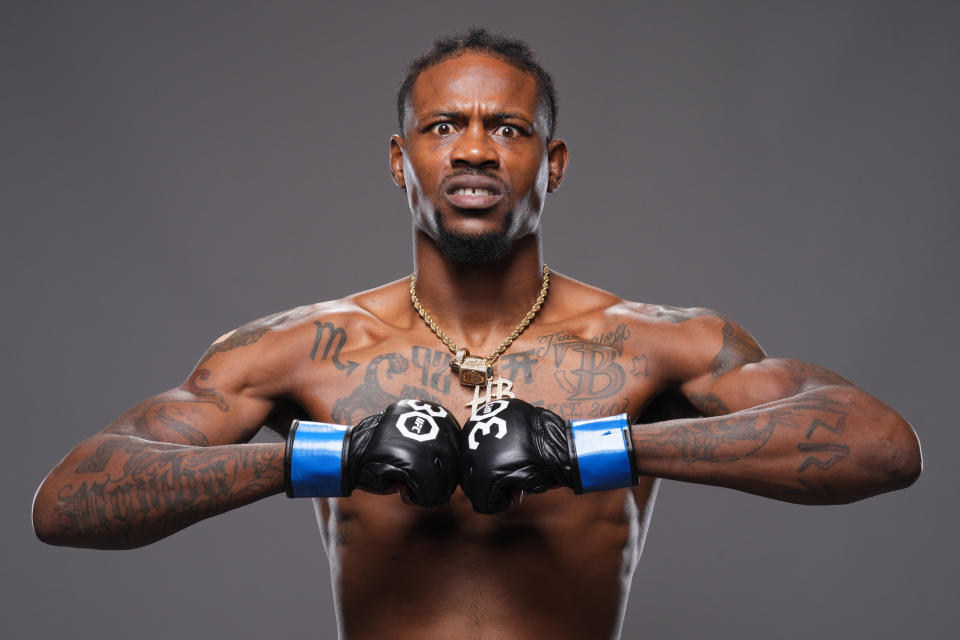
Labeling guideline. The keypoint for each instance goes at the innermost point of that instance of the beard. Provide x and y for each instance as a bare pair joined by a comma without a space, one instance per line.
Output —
462,248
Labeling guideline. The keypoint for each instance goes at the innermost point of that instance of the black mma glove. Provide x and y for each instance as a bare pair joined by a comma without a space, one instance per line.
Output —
510,444
412,443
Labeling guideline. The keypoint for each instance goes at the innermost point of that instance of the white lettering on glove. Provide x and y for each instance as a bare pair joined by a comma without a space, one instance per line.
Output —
489,420
413,423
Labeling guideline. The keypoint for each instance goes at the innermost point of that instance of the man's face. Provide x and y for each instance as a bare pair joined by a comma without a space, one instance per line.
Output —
473,158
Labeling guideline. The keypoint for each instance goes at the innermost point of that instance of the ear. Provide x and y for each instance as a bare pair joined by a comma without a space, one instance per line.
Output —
557,157
396,161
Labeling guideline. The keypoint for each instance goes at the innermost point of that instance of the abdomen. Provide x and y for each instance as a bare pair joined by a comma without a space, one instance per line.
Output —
557,565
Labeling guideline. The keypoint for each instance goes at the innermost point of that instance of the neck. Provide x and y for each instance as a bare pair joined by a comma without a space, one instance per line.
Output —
478,305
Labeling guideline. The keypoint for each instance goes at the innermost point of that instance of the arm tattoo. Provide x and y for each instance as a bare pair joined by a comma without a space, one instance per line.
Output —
239,338
838,451
205,394
822,455
251,332
162,420
727,439
816,421
169,417
98,461
738,349
132,492
709,404
804,375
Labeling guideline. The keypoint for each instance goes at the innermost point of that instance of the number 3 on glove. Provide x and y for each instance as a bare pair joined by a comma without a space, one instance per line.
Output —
513,445
484,420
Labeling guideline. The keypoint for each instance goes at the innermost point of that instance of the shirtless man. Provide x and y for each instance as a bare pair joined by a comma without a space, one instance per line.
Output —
476,157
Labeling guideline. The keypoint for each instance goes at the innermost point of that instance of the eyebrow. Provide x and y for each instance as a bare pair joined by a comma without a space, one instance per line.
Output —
455,115
510,116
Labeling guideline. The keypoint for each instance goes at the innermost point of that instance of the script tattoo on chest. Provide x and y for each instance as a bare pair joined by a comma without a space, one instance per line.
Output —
434,367
371,397
518,367
587,369
640,366
586,372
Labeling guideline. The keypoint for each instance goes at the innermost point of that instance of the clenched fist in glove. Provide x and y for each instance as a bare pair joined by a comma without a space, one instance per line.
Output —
412,444
511,445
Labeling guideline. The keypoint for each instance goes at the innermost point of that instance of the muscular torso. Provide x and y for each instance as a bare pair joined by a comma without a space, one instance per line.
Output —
556,565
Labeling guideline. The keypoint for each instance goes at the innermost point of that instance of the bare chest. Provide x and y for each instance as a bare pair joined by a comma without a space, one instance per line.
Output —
553,538
574,374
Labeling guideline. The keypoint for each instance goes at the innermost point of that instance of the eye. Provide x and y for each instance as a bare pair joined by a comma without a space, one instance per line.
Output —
443,128
506,131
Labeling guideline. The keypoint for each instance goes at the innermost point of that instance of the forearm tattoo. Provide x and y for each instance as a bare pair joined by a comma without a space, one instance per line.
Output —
811,436
132,491
155,472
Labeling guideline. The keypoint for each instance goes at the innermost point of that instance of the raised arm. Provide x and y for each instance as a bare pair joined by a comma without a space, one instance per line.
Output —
174,459
777,428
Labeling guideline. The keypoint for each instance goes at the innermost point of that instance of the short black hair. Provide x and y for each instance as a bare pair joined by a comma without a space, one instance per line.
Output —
511,50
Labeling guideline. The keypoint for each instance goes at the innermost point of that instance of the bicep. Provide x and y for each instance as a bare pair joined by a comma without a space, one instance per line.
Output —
756,383
733,373
239,385
210,408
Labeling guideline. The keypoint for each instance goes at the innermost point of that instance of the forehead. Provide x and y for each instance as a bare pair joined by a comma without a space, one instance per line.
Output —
474,78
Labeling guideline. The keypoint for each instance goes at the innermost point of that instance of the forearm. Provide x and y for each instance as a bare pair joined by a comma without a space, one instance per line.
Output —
829,445
120,492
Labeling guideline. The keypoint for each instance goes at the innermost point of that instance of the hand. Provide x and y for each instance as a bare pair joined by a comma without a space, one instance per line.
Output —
510,445
412,445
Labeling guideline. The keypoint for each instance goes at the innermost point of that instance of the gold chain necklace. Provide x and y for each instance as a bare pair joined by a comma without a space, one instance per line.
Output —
475,371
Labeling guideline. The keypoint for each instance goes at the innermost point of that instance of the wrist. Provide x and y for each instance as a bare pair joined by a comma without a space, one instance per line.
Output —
601,450
313,464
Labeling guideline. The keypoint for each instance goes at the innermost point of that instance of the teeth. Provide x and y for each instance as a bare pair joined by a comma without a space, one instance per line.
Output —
473,191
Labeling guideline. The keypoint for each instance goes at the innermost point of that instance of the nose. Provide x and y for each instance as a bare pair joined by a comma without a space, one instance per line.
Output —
474,148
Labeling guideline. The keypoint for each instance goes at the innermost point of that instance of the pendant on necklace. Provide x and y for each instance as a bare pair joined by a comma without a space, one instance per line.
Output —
497,389
473,371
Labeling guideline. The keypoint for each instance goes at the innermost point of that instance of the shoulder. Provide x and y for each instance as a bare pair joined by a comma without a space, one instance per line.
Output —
579,298
582,298
572,300
279,337
271,331
699,341
686,341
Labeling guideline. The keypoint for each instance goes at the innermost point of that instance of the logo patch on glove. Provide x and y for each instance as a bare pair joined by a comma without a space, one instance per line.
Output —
419,424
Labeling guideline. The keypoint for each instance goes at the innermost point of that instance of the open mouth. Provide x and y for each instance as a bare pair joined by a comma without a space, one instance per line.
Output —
473,192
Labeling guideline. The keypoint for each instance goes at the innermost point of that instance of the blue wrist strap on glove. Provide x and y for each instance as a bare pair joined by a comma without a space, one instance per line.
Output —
604,453
314,460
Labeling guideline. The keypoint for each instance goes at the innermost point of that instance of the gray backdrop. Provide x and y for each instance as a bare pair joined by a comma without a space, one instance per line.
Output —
171,170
